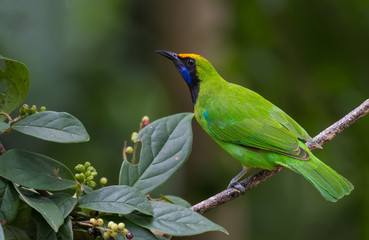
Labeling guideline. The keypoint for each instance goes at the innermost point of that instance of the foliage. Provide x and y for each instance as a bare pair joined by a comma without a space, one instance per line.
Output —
41,198
95,59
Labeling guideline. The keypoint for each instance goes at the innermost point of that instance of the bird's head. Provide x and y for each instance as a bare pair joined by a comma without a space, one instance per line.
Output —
193,68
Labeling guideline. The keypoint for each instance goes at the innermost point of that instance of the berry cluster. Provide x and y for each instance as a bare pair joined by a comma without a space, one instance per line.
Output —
120,227
85,174
144,123
25,110
96,223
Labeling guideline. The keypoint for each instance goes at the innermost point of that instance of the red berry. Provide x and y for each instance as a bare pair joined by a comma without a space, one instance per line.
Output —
145,123
129,235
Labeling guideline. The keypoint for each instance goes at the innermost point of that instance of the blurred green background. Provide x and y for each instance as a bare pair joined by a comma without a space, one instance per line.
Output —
95,59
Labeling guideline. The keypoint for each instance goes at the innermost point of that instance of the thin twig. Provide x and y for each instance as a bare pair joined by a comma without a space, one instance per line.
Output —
124,151
88,224
329,133
7,116
135,145
254,180
16,119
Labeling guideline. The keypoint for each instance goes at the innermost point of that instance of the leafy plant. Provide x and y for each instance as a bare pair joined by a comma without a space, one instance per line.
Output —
41,198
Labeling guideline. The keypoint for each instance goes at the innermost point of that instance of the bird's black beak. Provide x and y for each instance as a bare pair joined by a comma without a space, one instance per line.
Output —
170,55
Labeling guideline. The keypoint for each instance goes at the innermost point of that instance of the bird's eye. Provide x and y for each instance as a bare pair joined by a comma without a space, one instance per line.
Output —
190,62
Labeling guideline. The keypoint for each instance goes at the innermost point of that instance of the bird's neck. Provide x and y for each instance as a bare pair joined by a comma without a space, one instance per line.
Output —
194,90
209,87
205,78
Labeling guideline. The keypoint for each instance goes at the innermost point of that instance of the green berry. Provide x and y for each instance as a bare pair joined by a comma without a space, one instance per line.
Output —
100,222
91,184
42,109
91,169
121,226
134,136
114,227
110,224
113,234
79,168
80,177
125,231
94,174
103,181
87,164
107,235
88,173
93,221
24,110
129,150
90,178
33,109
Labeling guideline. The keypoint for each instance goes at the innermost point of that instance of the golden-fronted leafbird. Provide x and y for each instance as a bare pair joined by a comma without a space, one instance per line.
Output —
251,129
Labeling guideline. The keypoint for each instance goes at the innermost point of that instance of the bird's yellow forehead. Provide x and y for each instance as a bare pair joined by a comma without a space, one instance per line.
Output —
185,55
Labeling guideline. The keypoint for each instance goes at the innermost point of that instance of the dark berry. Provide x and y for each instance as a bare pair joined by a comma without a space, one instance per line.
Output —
91,231
129,235
97,233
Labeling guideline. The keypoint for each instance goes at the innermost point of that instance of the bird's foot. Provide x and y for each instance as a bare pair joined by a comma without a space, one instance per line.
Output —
234,182
237,185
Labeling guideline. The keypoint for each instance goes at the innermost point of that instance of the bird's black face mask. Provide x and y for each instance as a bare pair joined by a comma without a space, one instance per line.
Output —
187,68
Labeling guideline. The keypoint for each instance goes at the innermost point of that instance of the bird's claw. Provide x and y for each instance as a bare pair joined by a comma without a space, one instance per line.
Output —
237,185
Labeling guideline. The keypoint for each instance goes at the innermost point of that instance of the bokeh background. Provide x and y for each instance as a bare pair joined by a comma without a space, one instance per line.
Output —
95,59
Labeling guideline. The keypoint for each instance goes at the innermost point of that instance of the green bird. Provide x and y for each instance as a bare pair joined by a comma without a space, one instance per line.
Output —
251,129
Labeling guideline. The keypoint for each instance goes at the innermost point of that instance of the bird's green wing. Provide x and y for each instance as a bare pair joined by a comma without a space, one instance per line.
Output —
258,132
291,125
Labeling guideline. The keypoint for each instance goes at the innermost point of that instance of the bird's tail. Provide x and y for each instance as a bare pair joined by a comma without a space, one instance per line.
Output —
329,183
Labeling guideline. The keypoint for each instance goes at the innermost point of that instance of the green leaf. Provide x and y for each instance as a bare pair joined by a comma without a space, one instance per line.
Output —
4,126
138,232
47,208
15,233
175,220
65,202
24,219
116,199
44,231
86,188
65,231
35,171
2,236
9,201
53,126
176,200
166,146
16,76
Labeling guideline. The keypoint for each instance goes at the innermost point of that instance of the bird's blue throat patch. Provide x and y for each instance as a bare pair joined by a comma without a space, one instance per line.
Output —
185,74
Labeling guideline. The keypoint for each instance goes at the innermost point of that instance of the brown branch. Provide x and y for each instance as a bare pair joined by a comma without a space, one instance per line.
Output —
254,180
329,133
